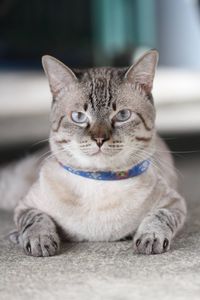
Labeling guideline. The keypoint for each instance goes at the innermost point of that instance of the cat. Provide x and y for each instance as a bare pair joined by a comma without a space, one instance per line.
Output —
109,174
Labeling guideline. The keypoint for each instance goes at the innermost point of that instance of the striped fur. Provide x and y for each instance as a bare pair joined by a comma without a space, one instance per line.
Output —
37,233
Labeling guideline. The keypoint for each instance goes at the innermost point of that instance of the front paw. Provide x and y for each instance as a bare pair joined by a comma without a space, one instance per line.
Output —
151,242
40,243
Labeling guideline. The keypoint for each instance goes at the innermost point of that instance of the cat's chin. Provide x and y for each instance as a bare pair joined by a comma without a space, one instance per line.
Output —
102,153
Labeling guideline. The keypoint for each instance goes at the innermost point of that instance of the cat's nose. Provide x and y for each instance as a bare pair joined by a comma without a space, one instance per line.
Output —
100,133
100,140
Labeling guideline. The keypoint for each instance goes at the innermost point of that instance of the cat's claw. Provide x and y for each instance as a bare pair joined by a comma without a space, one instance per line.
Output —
151,243
41,244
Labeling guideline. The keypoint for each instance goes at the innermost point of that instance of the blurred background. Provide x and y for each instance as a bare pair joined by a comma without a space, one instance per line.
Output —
96,33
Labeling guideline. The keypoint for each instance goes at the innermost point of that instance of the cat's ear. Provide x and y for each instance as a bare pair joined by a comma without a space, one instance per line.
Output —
143,71
57,73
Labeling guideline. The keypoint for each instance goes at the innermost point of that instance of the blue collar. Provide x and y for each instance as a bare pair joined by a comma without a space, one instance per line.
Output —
109,175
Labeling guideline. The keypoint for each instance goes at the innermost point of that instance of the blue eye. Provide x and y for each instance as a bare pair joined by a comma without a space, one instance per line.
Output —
123,115
79,117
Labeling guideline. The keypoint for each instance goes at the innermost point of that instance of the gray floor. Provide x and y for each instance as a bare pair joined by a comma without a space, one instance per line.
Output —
109,270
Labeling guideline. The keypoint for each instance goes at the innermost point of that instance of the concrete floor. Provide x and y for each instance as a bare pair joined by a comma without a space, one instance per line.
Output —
109,270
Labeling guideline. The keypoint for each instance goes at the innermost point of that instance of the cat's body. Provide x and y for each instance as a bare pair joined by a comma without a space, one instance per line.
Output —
102,120
98,210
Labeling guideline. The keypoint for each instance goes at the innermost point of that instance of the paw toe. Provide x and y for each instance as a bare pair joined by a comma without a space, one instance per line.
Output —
144,246
49,246
41,245
151,244
36,248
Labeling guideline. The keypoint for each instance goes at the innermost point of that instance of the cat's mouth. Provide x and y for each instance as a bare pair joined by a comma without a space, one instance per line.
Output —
99,151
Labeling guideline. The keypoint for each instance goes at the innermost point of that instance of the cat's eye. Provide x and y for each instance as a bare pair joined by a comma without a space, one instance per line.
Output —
79,117
123,115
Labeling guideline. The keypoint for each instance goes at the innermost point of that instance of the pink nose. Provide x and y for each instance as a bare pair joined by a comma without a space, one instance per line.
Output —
100,140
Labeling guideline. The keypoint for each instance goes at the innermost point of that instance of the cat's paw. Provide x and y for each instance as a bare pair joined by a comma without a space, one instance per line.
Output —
151,243
40,244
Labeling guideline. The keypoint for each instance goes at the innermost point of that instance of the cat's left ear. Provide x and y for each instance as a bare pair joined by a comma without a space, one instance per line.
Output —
57,73
143,71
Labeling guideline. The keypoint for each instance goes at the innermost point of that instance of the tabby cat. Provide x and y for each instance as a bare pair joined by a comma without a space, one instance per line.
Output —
109,174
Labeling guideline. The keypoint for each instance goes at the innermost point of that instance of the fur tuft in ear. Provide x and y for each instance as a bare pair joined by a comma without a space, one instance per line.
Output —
143,71
57,73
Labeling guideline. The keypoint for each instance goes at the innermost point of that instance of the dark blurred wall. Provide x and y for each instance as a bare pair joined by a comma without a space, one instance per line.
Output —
79,32
31,28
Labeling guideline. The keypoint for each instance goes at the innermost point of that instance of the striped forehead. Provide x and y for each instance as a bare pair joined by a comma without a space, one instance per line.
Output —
101,91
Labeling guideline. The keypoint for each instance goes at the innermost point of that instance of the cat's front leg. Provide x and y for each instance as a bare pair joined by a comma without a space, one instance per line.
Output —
155,233
37,233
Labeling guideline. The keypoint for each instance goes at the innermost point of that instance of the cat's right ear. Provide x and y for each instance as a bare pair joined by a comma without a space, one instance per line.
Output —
143,71
57,73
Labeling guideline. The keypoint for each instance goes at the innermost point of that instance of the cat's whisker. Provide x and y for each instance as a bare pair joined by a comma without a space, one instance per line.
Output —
54,154
153,160
155,165
42,141
158,160
141,157
177,152
43,155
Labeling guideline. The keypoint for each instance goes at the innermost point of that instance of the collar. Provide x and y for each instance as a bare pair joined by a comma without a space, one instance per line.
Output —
109,175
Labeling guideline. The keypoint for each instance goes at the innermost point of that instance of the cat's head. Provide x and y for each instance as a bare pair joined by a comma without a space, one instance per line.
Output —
102,118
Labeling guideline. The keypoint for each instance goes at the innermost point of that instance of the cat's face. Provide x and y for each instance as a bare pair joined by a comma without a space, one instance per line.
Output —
102,118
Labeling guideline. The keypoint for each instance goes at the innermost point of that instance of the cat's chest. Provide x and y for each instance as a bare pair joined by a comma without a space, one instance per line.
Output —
78,191
97,210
